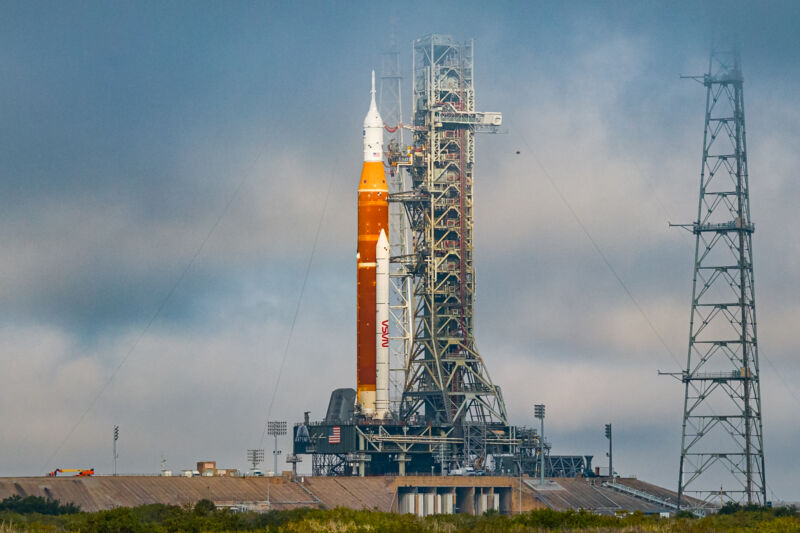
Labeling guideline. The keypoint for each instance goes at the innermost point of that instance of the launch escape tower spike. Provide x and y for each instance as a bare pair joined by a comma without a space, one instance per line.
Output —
722,450
446,379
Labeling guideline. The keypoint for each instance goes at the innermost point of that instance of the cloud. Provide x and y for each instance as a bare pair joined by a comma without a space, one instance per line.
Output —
186,397
120,165
84,264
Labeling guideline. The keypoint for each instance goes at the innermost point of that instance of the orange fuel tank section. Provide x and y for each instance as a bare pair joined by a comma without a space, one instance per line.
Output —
373,216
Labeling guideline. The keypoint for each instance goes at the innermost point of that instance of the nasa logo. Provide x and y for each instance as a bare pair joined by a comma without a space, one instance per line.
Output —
385,334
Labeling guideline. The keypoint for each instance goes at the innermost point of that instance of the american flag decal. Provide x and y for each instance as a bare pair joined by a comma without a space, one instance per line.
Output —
335,435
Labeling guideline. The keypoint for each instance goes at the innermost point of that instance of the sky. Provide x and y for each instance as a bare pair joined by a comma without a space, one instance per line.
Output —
166,166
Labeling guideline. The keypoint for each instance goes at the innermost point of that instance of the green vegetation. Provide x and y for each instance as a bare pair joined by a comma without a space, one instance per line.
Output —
36,504
203,517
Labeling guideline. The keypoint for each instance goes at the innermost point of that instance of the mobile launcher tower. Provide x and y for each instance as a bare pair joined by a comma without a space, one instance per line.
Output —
450,415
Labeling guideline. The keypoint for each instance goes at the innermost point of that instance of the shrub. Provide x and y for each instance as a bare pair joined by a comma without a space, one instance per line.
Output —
788,510
204,507
729,508
37,504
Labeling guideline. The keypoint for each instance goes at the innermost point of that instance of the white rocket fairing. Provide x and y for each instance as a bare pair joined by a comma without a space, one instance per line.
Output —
382,327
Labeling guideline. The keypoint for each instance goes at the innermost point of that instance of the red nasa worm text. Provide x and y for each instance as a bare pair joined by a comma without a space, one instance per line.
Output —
385,334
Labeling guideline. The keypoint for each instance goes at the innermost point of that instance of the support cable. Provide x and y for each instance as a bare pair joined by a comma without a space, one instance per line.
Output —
599,251
622,283
778,373
158,309
299,301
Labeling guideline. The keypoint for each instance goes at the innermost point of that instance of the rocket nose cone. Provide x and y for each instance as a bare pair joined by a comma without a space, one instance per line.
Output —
382,246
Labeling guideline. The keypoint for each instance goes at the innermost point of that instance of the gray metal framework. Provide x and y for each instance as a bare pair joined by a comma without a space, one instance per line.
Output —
401,325
381,448
329,464
564,465
722,448
446,379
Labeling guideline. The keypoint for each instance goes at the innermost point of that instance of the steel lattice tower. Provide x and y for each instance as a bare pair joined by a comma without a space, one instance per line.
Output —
446,380
722,450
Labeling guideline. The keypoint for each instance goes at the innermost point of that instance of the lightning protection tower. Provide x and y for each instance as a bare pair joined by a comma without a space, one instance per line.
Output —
446,382
722,448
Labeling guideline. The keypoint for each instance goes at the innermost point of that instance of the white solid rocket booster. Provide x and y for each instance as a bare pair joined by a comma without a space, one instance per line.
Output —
382,327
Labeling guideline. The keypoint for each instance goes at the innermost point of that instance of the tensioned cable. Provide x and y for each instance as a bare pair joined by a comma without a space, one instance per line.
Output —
599,250
159,309
619,279
299,301
780,377
767,359
778,373
617,276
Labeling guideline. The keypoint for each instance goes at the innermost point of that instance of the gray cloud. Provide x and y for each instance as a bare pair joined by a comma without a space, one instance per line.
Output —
126,132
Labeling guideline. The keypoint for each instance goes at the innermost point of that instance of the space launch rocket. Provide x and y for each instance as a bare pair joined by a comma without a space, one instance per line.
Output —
373,230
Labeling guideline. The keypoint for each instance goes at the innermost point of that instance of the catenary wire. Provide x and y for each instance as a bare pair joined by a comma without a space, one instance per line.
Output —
299,302
162,305
597,249
778,372
619,279
633,299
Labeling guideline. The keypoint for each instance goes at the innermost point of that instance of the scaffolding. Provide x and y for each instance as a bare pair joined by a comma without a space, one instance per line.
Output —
446,380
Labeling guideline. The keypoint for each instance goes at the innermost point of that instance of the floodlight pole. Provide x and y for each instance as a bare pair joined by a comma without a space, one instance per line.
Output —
255,457
275,456
538,411
116,438
610,461
275,429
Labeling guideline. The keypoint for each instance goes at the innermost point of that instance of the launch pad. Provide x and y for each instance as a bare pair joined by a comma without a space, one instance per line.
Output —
361,447
447,415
